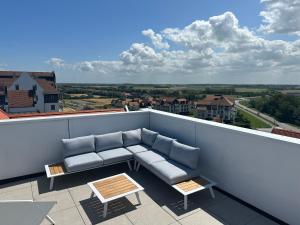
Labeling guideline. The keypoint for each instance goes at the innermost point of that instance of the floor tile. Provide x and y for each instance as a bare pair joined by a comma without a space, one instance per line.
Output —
150,215
15,185
201,218
18,194
66,217
91,210
64,201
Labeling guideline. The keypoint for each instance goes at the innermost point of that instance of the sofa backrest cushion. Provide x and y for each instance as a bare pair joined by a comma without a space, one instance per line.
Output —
184,154
108,141
132,137
162,144
79,145
148,136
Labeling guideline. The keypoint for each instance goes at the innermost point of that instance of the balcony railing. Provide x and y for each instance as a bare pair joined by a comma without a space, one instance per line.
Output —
259,168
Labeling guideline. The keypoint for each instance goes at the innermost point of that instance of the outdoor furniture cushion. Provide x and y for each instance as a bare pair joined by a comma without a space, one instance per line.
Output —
77,146
132,137
184,154
108,141
115,155
162,144
172,172
83,162
148,136
148,157
137,148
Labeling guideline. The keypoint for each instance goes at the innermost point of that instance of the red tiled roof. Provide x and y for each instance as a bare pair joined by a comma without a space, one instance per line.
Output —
19,99
26,115
216,100
3,115
18,73
287,133
47,87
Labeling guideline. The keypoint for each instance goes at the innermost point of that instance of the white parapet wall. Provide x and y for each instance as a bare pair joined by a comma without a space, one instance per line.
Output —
257,167
26,145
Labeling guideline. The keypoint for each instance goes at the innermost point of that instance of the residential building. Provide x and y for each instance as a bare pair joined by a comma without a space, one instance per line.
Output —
23,92
173,105
216,106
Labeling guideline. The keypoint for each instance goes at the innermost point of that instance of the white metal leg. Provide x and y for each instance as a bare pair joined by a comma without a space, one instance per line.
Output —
50,219
212,192
138,167
138,198
129,165
51,183
185,198
105,210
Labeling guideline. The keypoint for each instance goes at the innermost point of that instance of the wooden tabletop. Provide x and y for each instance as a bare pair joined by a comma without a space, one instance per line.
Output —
57,168
115,186
194,184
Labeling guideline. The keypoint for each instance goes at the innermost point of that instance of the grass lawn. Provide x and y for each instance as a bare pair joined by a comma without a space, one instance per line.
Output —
254,121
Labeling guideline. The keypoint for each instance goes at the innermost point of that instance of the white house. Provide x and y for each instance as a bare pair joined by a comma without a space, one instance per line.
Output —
24,92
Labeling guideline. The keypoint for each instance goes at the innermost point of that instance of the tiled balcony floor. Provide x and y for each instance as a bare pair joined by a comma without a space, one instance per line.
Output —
161,204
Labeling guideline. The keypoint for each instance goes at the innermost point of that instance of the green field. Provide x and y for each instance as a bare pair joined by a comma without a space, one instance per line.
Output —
254,121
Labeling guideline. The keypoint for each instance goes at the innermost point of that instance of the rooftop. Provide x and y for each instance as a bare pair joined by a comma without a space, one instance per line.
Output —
160,204
256,172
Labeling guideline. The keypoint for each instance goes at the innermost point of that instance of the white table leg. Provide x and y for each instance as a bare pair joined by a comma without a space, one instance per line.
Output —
51,183
105,210
138,198
185,197
129,165
50,219
212,192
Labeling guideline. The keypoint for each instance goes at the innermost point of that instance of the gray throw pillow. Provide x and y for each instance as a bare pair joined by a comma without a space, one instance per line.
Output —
108,141
148,136
132,137
162,144
184,154
79,145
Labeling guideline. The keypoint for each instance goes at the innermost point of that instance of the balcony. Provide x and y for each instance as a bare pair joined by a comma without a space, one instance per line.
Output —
257,173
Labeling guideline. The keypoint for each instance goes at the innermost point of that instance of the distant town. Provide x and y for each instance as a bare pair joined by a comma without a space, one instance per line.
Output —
261,107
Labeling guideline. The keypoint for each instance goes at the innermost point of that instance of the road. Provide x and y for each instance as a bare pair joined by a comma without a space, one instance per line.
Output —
266,118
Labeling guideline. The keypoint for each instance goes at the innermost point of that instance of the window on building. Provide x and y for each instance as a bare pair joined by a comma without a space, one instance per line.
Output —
17,87
52,107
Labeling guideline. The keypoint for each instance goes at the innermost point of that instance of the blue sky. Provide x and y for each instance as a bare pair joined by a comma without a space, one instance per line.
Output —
96,32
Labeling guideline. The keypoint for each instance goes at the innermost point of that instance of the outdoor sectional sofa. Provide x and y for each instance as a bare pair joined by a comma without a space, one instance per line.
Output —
168,159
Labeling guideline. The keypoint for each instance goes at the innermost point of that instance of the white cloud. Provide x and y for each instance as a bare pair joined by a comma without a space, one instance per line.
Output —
56,62
218,47
281,16
157,39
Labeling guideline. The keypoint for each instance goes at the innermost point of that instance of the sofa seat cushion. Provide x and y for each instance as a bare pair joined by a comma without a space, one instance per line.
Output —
108,141
134,149
132,137
115,155
148,136
184,154
79,145
149,157
82,162
172,172
162,144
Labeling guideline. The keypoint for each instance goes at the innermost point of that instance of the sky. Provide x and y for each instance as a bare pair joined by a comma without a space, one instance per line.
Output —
141,41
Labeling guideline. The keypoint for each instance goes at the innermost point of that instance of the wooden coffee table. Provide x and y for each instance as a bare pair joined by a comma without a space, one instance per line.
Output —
114,187
194,185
